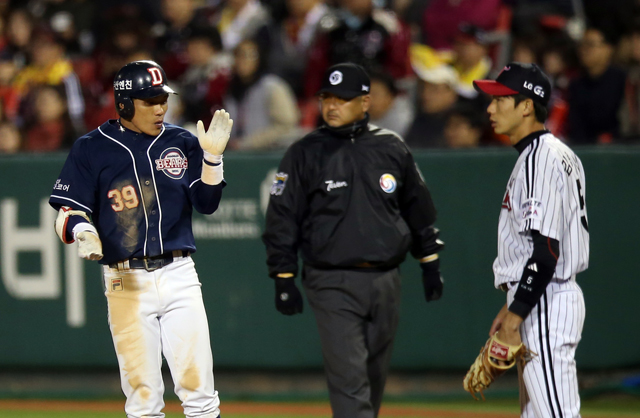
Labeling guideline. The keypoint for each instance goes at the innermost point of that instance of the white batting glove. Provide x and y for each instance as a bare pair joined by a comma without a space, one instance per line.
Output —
89,245
214,141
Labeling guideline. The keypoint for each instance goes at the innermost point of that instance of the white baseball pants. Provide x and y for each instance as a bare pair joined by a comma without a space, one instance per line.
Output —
553,329
156,313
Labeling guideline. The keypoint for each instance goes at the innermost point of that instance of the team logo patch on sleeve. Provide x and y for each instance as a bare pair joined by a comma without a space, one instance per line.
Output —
279,184
388,183
172,162
532,209
506,202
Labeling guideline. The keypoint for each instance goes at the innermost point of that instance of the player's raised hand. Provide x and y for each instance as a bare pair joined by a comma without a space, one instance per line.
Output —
214,141
89,245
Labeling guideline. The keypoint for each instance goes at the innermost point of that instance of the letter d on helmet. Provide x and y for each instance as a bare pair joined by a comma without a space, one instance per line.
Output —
138,80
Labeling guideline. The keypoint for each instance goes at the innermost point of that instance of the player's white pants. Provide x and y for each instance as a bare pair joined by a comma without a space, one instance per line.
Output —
548,382
155,313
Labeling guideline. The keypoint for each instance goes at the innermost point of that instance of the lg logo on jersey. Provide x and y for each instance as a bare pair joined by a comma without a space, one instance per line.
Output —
538,90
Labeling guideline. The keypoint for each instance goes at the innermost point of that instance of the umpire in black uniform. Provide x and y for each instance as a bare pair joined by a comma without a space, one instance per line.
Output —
350,197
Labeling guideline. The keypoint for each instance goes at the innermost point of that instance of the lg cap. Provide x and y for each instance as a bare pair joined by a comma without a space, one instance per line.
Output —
518,78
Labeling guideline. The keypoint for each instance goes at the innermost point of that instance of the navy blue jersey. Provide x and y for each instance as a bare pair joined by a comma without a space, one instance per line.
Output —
140,190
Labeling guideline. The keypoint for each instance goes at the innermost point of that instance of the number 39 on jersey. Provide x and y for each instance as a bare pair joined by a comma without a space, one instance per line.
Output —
125,198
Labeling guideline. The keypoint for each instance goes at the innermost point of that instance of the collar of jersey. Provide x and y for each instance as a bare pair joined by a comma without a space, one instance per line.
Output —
524,142
116,125
351,130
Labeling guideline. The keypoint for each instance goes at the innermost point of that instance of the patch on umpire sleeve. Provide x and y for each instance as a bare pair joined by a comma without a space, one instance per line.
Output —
279,184
117,285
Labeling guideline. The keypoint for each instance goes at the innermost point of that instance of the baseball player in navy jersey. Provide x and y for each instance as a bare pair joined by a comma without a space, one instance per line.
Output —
126,194
543,242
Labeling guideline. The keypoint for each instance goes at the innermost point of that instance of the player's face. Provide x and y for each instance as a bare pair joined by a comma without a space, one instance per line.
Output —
337,111
149,115
505,117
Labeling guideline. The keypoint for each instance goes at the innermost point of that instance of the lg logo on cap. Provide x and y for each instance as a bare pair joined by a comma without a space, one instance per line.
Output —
335,78
538,90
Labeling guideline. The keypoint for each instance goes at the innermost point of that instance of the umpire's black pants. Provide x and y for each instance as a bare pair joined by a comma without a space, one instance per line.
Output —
357,317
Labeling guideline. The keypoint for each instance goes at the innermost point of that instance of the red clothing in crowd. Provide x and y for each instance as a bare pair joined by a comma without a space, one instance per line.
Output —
10,102
442,18
47,136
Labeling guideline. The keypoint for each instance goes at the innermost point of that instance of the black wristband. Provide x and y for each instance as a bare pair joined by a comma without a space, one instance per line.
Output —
210,163
520,308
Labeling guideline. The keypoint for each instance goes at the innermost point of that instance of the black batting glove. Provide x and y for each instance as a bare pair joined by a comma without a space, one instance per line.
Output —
432,280
288,297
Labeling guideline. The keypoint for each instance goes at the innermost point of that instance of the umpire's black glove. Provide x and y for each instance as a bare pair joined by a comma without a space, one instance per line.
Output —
431,280
288,297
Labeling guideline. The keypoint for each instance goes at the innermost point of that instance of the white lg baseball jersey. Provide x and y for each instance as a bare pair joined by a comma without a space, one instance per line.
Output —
546,192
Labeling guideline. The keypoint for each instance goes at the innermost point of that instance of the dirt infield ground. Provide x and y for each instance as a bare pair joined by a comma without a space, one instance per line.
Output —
257,409
491,409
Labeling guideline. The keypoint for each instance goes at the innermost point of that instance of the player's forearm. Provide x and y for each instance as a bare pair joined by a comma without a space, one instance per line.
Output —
536,275
511,322
206,198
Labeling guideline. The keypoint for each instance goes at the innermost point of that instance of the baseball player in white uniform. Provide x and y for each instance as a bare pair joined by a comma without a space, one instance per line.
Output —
126,194
543,242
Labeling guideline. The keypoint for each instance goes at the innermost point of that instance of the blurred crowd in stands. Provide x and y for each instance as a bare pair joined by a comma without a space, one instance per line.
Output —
263,61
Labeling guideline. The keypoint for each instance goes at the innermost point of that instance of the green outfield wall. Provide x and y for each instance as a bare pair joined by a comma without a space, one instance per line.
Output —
53,311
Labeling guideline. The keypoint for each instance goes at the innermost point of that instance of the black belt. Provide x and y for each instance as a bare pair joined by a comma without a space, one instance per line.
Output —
150,263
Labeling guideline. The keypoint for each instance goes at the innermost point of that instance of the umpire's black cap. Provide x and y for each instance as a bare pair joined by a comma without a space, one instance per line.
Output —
346,80
518,78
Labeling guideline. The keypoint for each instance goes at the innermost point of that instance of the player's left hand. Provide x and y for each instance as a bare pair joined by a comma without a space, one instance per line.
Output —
432,280
89,245
214,141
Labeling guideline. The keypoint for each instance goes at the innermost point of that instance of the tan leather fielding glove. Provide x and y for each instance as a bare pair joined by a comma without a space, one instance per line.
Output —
494,359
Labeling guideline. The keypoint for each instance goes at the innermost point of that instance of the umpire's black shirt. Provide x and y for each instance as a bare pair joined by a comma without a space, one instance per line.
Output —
348,197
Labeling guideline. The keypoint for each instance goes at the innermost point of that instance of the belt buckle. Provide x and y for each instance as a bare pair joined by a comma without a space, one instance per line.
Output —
152,265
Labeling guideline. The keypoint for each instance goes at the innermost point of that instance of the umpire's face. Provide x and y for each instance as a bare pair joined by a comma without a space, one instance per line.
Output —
337,111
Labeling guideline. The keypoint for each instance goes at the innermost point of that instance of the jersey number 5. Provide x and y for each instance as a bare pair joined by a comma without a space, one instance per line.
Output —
583,218
127,198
